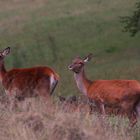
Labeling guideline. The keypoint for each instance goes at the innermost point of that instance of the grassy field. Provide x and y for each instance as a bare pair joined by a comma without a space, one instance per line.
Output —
53,32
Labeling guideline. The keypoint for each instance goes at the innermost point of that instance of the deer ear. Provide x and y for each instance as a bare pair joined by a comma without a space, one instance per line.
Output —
6,51
88,58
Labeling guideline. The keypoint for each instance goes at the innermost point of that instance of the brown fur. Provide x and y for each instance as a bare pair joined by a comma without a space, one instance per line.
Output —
121,94
26,82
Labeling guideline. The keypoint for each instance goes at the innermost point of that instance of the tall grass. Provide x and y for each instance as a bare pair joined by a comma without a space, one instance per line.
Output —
41,121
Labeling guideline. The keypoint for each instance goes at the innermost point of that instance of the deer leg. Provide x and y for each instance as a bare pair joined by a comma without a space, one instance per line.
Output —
102,108
132,118
131,112
91,109
13,103
138,109
102,111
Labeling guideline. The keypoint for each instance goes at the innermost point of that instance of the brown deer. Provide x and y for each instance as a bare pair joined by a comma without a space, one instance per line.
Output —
122,94
27,82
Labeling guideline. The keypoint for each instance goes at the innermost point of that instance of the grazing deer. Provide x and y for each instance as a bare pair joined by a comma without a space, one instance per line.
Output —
123,94
27,82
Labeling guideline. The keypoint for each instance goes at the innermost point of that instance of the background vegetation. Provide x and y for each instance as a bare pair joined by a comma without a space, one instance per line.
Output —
53,32
132,22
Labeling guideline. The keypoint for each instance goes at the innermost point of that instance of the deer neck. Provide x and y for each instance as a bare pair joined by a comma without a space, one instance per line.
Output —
82,82
2,70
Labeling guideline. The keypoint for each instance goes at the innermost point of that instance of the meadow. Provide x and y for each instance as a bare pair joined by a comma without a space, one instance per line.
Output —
52,33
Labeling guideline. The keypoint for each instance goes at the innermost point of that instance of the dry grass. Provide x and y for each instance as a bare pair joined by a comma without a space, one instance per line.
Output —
34,119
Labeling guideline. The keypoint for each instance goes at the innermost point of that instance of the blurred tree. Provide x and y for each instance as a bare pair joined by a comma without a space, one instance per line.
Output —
132,23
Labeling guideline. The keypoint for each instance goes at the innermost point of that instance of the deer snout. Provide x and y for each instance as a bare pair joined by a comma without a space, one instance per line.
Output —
70,67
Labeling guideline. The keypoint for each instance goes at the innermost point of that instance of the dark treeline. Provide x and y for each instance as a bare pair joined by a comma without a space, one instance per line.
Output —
132,22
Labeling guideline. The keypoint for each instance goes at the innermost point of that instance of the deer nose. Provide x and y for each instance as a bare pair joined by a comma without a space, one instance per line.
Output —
70,67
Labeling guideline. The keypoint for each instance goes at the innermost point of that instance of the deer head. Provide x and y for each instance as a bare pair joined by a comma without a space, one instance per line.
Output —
4,53
78,63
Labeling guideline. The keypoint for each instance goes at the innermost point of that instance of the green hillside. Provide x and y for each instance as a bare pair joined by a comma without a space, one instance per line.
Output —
53,32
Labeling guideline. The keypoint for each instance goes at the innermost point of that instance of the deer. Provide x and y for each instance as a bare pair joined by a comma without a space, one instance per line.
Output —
21,83
122,94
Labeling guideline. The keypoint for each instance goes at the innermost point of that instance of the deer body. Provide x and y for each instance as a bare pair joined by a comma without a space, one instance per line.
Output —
124,94
113,91
110,92
30,82
27,82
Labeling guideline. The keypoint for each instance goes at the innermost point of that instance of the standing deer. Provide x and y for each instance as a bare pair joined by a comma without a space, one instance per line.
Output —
27,82
123,94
